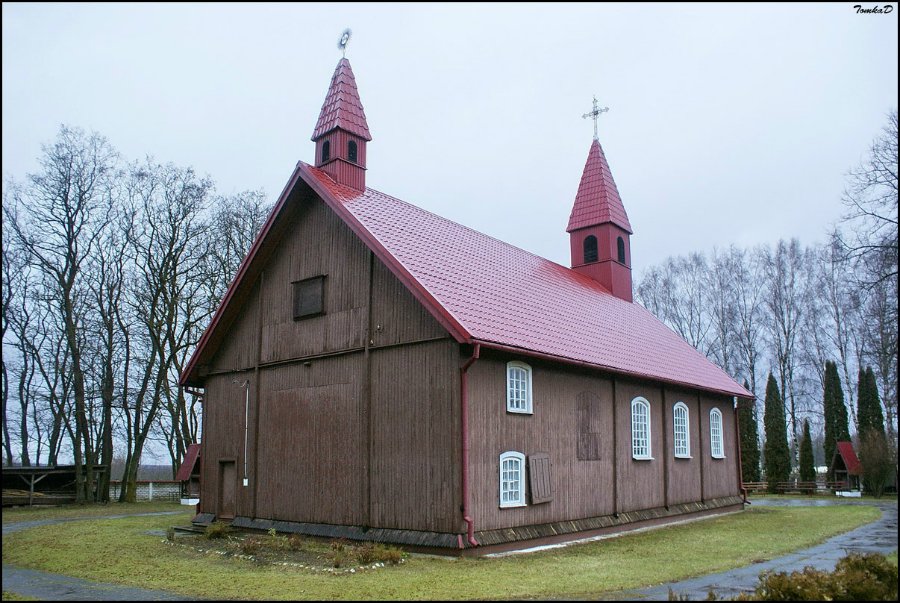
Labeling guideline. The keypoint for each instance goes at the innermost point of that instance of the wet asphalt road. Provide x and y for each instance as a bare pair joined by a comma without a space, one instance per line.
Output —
877,537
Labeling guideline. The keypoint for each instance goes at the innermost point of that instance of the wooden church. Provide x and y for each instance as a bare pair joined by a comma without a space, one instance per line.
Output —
378,372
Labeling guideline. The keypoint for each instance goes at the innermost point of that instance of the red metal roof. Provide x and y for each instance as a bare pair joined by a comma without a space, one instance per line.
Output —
187,466
342,107
845,449
494,293
598,198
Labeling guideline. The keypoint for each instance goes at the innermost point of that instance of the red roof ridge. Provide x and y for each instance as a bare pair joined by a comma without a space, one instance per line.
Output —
368,189
398,229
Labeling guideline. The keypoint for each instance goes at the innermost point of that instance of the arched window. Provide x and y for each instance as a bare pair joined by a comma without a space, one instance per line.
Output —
640,429
512,479
326,151
620,246
590,249
716,447
351,151
682,431
518,387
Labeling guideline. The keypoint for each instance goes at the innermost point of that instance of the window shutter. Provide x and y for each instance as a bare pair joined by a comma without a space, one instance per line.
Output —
309,297
588,428
539,474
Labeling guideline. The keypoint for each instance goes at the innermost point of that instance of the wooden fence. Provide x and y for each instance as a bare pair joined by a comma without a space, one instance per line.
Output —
797,486
150,490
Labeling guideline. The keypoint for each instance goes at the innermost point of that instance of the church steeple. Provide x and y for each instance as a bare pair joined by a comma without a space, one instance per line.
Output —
599,230
341,133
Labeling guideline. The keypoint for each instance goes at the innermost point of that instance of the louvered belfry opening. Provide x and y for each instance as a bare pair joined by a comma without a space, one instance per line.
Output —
341,132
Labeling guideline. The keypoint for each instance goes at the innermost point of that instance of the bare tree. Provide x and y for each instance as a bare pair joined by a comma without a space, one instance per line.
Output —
723,302
107,271
677,294
58,217
786,288
167,204
749,292
871,201
12,269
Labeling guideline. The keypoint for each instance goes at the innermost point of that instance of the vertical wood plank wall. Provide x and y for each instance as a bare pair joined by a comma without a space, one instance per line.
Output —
585,488
321,380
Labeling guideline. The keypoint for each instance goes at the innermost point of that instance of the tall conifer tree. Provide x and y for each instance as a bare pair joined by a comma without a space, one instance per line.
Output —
874,453
837,428
807,465
868,415
749,439
778,454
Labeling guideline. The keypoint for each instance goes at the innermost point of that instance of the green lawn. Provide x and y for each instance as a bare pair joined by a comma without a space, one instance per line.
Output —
120,551
16,514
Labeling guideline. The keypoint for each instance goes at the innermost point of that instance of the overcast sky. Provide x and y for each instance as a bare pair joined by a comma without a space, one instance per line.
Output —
728,123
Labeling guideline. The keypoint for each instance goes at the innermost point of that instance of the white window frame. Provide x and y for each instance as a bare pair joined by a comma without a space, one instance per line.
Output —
716,434
513,405
638,453
683,451
519,500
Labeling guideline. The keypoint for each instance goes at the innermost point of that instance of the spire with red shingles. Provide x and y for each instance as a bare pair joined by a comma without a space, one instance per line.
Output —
598,198
342,107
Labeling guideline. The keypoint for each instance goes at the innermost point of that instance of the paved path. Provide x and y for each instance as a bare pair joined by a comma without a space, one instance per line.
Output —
877,537
55,587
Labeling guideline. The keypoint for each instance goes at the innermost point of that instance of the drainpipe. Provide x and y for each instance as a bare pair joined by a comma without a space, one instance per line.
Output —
737,439
464,420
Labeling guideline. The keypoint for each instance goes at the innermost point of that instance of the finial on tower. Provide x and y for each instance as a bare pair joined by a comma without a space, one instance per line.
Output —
345,39
595,114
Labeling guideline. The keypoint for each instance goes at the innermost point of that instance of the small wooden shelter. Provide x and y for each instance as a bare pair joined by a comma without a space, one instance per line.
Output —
845,466
189,475
42,485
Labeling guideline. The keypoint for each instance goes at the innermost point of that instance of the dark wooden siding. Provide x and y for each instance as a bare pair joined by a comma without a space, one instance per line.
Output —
564,397
640,483
239,350
719,475
415,437
319,244
310,434
315,455
684,474
222,436
396,315
580,488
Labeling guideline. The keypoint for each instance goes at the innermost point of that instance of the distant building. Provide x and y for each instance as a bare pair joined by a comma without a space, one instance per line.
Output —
845,466
376,371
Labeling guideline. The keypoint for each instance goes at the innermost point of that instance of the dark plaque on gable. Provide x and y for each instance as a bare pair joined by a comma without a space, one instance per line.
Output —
309,297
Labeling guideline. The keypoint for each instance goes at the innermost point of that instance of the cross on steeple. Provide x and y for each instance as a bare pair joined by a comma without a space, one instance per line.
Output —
595,114
345,39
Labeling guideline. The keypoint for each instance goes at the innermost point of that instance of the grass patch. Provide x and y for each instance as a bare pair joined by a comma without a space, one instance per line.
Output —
8,596
886,498
120,551
17,514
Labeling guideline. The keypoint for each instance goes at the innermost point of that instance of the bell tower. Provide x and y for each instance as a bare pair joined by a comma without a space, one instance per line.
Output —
341,132
599,231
